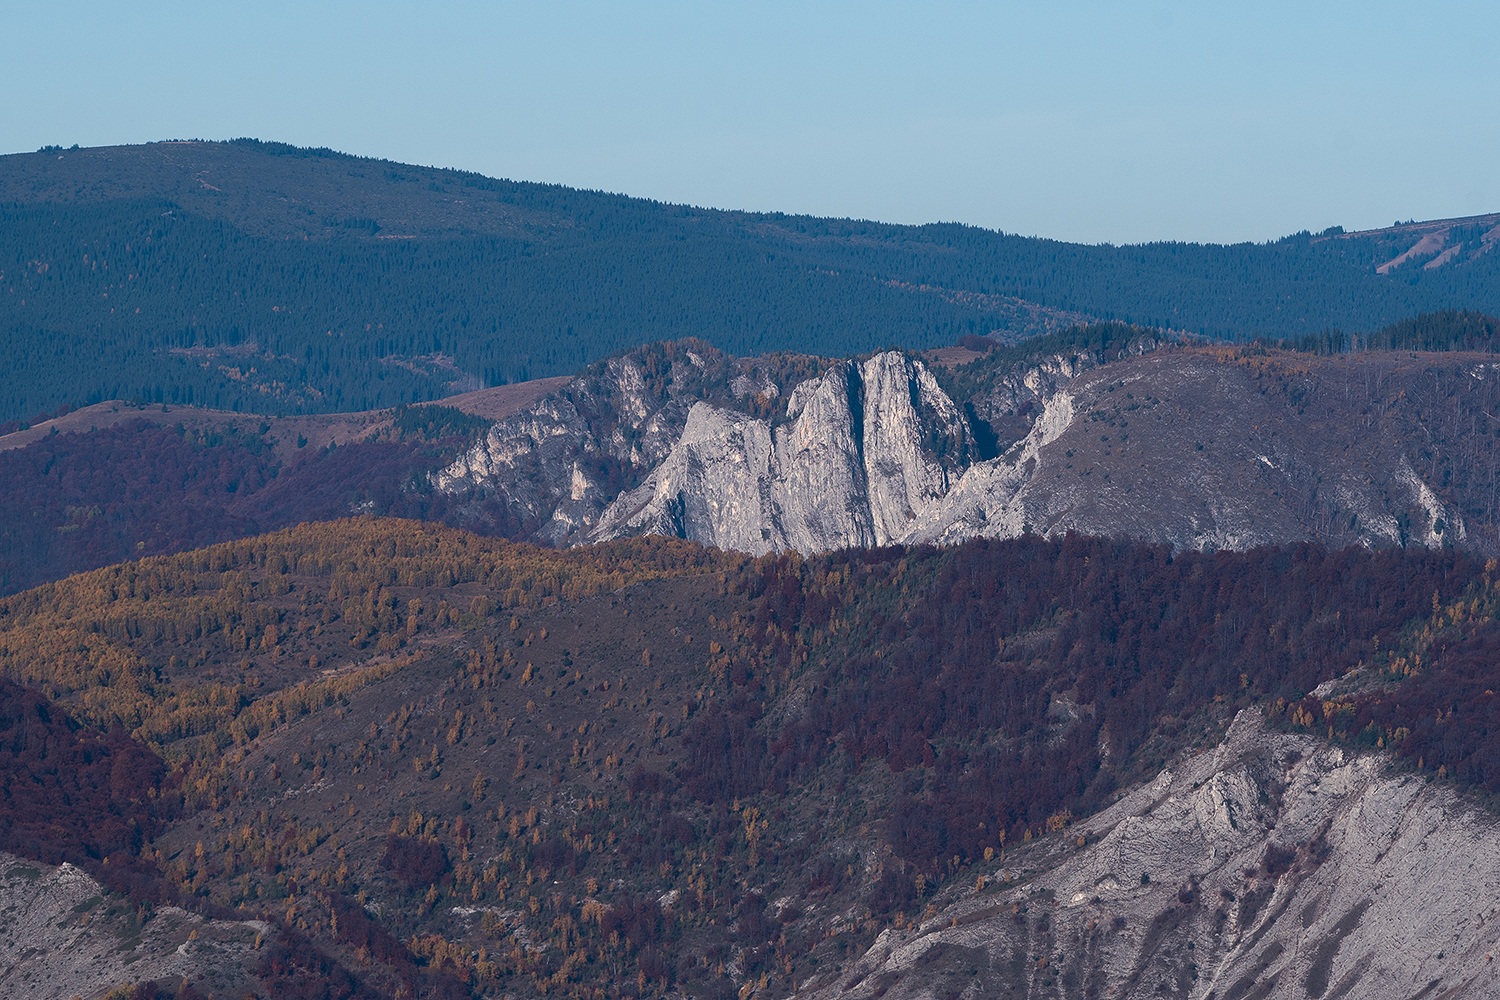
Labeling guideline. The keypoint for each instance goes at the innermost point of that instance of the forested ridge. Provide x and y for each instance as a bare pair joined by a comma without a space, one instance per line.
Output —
360,284
76,501
1022,674
164,483
628,751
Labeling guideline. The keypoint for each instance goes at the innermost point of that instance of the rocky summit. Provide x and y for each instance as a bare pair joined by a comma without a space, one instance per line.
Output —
1199,448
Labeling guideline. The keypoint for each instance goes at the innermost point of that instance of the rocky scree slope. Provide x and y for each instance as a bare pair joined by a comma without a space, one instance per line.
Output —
1272,865
62,934
1201,448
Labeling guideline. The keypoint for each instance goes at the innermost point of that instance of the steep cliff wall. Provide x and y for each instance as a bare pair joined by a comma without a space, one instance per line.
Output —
553,468
865,451
1202,449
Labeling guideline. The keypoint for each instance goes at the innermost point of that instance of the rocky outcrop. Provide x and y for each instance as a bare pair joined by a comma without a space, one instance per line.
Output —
1191,448
1187,450
63,935
865,452
553,467
1269,866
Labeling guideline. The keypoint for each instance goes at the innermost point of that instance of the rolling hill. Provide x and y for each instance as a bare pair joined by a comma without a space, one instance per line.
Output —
265,278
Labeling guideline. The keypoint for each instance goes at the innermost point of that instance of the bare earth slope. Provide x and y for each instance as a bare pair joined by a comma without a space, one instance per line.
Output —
1269,866
1431,244
62,934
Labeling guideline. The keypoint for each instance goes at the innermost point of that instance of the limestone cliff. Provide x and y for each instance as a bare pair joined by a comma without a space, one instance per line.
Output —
866,450
553,467
1202,449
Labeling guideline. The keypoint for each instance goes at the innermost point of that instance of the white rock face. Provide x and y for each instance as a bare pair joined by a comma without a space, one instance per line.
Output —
58,940
903,406
989,501
1270,866
859,461
1178,448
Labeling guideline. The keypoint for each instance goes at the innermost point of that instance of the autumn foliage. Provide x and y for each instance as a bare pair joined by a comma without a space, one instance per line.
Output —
91,639
954,702
74,794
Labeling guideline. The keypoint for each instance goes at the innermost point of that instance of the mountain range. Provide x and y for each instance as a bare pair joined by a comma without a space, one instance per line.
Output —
1105,429
267,278
1195,447
418,584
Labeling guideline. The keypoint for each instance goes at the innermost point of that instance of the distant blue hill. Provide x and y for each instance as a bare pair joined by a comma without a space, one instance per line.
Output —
270,278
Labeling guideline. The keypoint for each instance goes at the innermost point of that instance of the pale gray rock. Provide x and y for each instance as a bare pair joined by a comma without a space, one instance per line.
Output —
1269,866
709,487
63,935
1137,449
543,463
1176,447
866,450
989,500
905,415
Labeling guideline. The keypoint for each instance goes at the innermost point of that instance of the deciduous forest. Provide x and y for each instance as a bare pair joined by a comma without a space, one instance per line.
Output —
629,751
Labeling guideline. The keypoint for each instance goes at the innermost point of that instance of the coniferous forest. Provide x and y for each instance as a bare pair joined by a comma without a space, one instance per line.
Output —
158,291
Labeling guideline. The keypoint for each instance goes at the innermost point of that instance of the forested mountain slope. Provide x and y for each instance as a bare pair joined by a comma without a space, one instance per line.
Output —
432,762
268,278
1105,429
127,481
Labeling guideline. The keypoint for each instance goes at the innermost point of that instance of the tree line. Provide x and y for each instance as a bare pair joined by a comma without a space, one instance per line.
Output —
1017,684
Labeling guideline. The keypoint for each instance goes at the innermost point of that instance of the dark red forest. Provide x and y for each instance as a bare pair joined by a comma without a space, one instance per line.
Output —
73,502
1013,683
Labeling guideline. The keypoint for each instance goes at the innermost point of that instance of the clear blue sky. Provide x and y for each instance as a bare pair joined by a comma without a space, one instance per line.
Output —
1089,122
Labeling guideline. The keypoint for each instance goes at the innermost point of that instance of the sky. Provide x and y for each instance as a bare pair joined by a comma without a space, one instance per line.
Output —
1109,122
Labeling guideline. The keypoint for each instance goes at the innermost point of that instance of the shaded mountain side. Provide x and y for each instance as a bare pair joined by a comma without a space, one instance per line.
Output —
644,766
75,795
112,481
266,278
150,482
